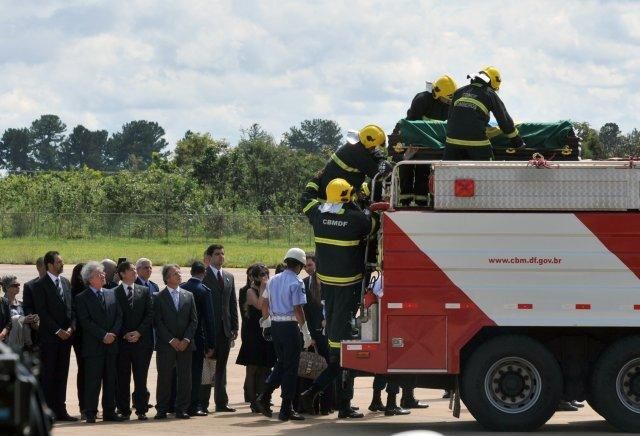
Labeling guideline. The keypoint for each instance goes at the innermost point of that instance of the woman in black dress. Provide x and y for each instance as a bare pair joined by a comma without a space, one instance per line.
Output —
256,353
77,286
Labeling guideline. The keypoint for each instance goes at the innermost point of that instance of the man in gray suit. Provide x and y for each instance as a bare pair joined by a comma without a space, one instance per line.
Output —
100,317
176,320
225,308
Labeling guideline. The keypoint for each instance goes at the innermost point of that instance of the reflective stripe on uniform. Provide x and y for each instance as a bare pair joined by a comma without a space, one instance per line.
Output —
341,164
406,196
312,185
473,101
333,344
339,281
310,205
374,224
513,134
469,143
337,242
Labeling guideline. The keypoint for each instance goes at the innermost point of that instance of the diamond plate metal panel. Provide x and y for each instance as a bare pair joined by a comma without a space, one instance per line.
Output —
516,186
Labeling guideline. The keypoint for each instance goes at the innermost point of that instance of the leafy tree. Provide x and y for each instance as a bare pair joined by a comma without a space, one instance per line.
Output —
590,141
610,137
15,150
47,134
194,146
132,148
84,147
314,136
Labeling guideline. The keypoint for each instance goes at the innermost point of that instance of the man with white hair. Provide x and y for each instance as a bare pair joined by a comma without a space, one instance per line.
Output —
100,317
110,275
144,268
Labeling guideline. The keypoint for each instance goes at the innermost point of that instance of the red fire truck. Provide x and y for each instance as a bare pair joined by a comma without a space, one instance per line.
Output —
518,287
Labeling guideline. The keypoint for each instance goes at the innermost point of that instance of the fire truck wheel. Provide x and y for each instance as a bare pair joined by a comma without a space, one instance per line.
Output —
615,384
511,383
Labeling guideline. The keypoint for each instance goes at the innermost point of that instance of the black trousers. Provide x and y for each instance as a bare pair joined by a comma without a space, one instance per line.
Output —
414,183
255,380
288,345
80,374
55,358
457,152
133,359
100,371
339,304
223,345
166,361
196,379
380,382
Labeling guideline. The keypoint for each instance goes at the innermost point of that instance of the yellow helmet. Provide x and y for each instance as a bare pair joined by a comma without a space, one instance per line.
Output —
372,136
339,191
494,77
444,88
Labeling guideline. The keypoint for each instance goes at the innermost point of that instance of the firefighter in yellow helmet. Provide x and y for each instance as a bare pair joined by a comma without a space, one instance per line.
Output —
469,117
432,104
339,228
361,157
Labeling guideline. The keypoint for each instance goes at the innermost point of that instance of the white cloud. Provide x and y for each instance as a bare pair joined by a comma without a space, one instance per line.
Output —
222,65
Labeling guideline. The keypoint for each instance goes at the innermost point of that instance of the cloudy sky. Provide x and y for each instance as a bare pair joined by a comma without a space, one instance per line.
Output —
219,66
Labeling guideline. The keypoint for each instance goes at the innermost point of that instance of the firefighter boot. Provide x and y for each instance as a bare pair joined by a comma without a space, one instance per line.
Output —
392,408
376,402
408,401
308,398
263,403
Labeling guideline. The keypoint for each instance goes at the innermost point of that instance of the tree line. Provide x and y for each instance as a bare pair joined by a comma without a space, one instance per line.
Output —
131,171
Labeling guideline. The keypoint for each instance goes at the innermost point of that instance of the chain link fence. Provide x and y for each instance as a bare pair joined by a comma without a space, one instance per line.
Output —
290,228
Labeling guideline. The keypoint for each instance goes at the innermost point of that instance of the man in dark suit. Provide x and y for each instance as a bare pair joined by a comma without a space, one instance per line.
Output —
136,342
225,309
176,320
100,317
144,268
27,292
53,303
204,339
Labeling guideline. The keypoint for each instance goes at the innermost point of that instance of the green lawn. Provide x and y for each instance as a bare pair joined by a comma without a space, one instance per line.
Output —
240,253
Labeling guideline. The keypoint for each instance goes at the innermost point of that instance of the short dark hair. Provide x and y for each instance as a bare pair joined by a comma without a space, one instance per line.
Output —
197,268
292,263
282,266
40,262
310,255
123,267
213,247
50,257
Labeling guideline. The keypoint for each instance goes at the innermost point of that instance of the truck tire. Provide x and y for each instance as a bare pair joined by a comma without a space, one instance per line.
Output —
615,384
511,383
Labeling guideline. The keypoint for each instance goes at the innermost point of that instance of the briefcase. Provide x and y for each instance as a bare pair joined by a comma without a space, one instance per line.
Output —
208,371
311,364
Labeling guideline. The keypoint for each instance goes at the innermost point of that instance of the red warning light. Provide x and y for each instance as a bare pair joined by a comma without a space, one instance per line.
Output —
464,188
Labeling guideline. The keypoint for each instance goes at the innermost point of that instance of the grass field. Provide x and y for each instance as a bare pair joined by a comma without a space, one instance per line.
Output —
239,252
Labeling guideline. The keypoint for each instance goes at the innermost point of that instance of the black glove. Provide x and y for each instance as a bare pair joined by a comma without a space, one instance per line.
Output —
385,167
517,143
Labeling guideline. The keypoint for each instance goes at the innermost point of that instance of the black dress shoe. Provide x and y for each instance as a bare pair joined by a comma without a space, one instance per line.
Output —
349,414
142,417
413,404
395,410
197,413
66,418
160,415
565,406
354,408
447,394
292,415
577,404
114,418
91,419
182,415
225,409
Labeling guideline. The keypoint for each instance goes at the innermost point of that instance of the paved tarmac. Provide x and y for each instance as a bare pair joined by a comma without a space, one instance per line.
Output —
436,418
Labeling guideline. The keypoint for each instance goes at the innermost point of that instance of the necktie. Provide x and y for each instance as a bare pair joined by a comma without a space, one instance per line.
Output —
175,296
60,291
129,294
101,298
220,282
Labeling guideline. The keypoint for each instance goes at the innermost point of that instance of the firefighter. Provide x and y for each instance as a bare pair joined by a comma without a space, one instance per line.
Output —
339,228
361,156
428,105
469,116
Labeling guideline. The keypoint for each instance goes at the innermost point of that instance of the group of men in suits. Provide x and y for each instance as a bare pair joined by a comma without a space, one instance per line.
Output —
184,322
